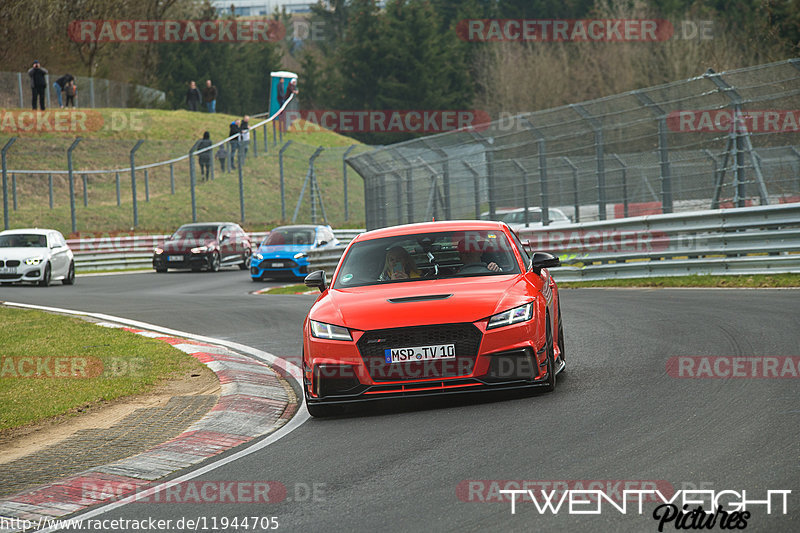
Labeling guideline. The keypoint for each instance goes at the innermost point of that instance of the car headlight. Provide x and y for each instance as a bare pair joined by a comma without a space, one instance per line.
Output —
257,256
300,255
158,251
329,331
34,260
202,249
522,313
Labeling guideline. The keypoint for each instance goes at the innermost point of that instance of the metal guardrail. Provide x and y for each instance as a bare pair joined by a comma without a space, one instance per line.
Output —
750,240
136,251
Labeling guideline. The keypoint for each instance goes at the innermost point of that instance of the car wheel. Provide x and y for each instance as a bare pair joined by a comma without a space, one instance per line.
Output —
70,279
45,281
561,338
214,265
550,384
258,279
245,265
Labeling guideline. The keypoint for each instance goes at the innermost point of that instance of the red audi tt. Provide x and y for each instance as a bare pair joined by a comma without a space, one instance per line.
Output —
432,308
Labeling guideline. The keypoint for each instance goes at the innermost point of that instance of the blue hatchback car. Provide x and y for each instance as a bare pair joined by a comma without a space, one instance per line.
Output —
283,253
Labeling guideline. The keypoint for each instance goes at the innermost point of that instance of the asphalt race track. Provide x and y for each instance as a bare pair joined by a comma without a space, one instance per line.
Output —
616,413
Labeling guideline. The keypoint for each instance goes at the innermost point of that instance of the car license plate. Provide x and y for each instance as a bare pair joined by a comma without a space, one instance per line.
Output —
175,258
420,353
8,270
277,265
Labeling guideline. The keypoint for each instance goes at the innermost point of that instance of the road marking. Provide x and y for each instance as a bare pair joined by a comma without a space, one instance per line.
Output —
301,415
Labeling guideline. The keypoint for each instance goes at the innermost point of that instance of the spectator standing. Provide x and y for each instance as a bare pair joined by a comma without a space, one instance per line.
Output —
244,137
281,96
60,85
204,158
193,96
71,90
38,83
210,97
234,132
292,88
222,155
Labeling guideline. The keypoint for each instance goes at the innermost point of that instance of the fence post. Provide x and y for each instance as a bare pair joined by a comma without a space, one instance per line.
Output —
240,156
50,188
476,184
72,184
542,148
133,182
316,186
445,179
663,152
624,168
487,145
14,190
85,184
255,143
280,165
344,181
5,179
19,89
525,214
577,206
146,186
117,184
266,141
599,156
193,179
91,93
172,178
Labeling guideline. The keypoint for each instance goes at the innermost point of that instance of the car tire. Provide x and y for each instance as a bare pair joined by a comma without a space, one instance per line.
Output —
257,280
213,266
550,384
561,338
70,279
45,281
245,265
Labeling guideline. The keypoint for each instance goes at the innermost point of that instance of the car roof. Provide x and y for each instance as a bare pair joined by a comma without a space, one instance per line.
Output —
421,227
299,226
34,231
202,224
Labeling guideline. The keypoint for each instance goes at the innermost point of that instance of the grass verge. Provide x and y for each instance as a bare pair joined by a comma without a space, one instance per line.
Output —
288,289
756,281
54,365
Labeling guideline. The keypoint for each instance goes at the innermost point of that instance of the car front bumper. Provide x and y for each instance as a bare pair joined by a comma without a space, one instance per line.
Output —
23,272
268,268
187,261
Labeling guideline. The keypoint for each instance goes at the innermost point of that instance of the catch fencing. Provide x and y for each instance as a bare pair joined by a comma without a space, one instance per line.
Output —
312,181
15,91
726,139
745,241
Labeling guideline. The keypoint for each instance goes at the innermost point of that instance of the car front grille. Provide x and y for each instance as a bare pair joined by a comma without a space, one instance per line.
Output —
10,263
465,337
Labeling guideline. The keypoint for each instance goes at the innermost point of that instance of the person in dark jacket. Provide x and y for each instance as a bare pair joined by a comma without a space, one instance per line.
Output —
244,136
204,158
193,96
38,84
234,131
60,85
71,90
210,97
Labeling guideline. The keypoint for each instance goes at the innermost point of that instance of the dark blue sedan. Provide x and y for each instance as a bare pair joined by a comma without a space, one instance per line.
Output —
283,253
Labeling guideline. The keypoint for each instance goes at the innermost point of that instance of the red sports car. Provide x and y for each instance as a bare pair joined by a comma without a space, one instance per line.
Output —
432,308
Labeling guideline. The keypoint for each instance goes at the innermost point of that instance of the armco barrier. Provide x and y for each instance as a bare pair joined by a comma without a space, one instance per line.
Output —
749,240
127,251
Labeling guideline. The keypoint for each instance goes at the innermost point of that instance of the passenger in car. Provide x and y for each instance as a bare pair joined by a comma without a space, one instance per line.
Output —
398,265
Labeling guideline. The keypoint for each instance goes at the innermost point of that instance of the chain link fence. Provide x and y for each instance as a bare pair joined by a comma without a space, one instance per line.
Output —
15,92
714,141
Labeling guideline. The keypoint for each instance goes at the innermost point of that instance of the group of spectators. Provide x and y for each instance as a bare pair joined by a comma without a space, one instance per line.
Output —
66,85
239,129
207,97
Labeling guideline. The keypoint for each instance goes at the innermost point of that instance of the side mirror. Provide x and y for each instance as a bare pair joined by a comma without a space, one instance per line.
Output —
223,238
542,260
317,279
322,243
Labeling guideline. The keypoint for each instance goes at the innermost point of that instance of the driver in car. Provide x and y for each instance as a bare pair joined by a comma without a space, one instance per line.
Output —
470,251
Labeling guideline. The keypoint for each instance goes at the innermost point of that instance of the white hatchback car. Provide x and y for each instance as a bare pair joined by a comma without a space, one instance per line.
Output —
35,255
516,218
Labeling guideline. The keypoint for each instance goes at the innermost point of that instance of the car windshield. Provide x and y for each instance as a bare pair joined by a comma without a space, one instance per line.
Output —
518,217
452,254
195,233
289,236
23,240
